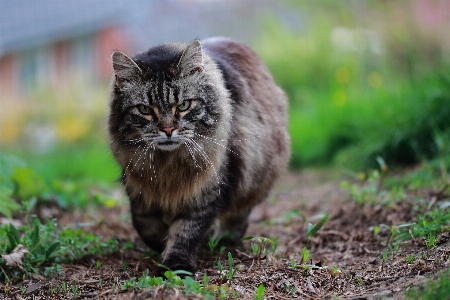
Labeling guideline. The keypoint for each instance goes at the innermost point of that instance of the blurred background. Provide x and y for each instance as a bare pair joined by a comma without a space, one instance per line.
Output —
365,79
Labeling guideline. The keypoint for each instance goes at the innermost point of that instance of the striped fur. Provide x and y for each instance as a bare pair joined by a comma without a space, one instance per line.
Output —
200,131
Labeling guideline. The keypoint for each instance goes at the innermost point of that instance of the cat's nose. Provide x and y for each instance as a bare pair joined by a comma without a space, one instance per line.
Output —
168,130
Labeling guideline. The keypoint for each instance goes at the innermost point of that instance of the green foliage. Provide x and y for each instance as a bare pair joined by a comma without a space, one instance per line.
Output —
19,182
431,223
433,289
378,188
46,245
187,285
356,93
305,255
259,244
259,295
212,243
8,165
231,269
370,190
312,230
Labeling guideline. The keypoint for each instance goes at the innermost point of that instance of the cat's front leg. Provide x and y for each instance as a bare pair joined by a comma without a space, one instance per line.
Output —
185,236
149,224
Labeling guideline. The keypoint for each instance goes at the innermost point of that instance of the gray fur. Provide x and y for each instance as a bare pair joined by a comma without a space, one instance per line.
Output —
188,172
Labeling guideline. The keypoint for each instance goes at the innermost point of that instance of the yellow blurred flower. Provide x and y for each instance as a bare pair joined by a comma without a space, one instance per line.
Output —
361,176
72,128
342,75
9,131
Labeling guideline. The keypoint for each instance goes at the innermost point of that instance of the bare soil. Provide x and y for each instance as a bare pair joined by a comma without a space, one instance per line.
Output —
345,255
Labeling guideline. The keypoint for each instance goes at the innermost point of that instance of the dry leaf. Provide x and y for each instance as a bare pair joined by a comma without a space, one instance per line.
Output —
14,259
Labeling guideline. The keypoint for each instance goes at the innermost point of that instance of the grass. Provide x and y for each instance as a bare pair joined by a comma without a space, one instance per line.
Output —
433,289
349,106
88,159
29,248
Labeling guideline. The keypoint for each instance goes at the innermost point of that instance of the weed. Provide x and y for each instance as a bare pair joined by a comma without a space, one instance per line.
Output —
44,244
259,294
75,290
384,257
433,289
305,255
312,230
258,245
213,243
376,230
293,263
334,271
289,289
205,280
431,241
128,284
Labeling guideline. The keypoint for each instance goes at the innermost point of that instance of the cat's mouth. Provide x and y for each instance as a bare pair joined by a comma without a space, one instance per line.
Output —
168,145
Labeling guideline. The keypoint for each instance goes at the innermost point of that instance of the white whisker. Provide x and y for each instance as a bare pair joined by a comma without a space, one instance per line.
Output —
215,141
205,157
192,154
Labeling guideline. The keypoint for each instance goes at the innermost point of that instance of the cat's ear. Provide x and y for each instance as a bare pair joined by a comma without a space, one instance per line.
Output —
124,67
191,60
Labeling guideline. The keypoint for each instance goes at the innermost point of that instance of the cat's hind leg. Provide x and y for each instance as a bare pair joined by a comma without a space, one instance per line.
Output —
232,228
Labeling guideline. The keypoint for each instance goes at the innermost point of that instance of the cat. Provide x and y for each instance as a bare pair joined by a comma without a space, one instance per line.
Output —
200,131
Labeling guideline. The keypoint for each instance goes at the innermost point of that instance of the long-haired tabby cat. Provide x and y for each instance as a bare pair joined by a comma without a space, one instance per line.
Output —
200,131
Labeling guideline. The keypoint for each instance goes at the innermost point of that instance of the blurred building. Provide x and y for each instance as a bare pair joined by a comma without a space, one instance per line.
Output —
54,43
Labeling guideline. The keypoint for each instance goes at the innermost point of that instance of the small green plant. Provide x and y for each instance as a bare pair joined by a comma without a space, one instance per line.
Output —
274,245
213,243
293,263
37,244
376,230
433,289
258,244
334,271
431,241
205,280
384,255
232,270
289,289
305,255
128,284
259,294
359,281
312,230
220,270
75,290
146,281
410,259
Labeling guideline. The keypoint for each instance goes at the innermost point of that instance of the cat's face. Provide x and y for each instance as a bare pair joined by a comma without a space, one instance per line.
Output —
163,99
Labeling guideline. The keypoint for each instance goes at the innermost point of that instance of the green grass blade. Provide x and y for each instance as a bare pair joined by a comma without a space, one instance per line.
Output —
316,228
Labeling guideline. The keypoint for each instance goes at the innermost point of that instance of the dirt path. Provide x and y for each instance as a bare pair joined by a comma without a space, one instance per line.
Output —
345,256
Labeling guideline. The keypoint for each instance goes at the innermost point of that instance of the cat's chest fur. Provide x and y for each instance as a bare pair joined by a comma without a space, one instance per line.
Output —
175,180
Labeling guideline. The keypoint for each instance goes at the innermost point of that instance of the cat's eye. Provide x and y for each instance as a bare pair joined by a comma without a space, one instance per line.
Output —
144,109
184,106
